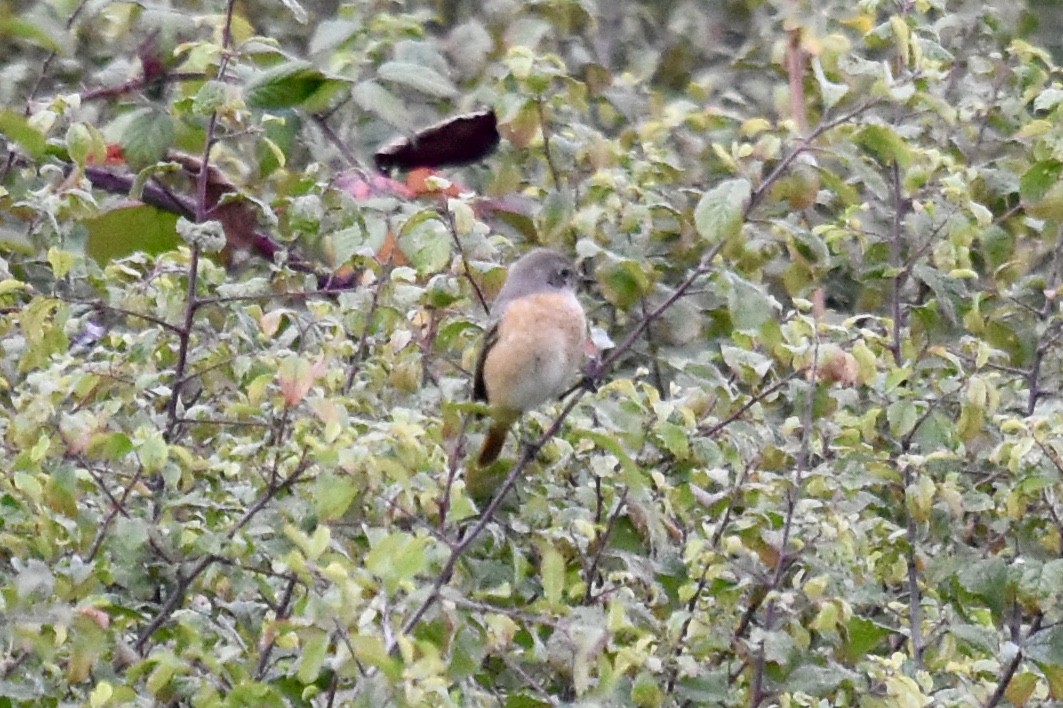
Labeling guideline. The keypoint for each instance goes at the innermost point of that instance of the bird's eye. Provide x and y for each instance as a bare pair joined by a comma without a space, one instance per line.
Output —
566,274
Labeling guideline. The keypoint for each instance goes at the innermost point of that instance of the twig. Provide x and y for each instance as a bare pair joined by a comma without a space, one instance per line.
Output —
802,147
193,266
899,209
185,581
140,83
783,560
754,400
122,183
602,542
547,151
363,339
453,460
1013,666
459,549
117,507
448,217
282,612
321,120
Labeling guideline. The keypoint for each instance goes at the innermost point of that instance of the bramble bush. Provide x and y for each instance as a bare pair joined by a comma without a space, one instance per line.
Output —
820,463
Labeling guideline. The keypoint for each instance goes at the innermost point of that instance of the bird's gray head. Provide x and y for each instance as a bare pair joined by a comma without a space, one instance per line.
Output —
537,271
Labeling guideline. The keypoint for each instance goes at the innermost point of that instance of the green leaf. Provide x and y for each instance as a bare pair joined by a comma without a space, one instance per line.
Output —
147,136
312,656
16,127
818,680
1046,647
552,567
152,450
426,241
862,637
1039,178
61,261
614,445
718,215
1048,99
749,305
397,558
418,77
624,283
32,30
982,639
333,495
902,417
749,365
675,439
885,145
371,96
134,228
286,85
988,580
709,688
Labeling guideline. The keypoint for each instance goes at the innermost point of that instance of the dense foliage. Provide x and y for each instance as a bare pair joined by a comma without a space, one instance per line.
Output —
821,463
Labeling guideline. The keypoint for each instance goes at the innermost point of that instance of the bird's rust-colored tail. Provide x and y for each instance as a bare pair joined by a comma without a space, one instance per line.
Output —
494,442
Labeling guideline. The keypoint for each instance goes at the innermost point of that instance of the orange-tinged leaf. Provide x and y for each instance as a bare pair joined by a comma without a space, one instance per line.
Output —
295,377
390,252
417,180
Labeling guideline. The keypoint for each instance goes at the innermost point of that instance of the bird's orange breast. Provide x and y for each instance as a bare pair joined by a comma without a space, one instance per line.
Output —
539,351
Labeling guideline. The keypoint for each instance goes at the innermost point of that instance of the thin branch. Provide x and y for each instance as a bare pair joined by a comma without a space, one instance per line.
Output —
363,339
547,151
117,507
753,400
801,147
122,183
184,581
458,550
101,305
453,464
1013,666
139,83
282,612
783,559
896,236
453,228
321,120
201,215
45,67
603,542
1034,379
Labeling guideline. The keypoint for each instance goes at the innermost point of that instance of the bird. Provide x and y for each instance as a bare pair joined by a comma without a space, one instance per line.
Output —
535,345
457,141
